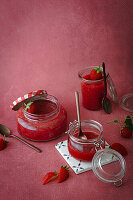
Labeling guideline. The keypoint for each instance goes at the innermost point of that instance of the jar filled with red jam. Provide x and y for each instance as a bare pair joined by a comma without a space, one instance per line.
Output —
41,119
92,87
84,149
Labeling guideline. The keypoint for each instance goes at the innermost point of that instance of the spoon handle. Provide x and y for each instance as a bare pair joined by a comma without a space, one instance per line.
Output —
27,143
78,110
105,83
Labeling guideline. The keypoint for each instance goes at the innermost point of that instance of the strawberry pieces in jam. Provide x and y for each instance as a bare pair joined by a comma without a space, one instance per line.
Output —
96,74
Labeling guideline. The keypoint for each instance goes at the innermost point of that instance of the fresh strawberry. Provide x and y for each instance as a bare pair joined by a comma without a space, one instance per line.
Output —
126,126
96,74
64,174
119,148
30,107
3,143
36,107
126,132
49,177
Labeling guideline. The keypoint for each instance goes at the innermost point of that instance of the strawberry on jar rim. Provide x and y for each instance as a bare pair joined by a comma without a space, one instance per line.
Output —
96,74
29,107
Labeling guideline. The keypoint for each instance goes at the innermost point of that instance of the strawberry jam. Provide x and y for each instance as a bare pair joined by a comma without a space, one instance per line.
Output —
44,120
92,90
84,149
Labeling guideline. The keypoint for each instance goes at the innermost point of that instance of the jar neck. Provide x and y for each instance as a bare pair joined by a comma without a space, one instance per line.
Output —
45,116
87,126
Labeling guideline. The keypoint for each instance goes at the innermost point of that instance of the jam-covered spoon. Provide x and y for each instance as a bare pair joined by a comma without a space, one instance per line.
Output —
5,131
80,135
106,102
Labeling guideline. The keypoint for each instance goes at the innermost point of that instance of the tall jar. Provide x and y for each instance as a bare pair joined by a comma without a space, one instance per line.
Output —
84,149
92,90
42,127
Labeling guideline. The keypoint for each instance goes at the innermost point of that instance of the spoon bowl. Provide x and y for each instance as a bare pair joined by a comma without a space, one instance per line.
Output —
7,133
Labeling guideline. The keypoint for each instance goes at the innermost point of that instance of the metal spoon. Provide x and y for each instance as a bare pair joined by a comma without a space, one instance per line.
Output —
80,135
106,102
5,131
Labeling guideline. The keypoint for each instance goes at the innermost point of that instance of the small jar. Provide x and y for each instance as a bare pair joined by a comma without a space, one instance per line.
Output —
42,127
92,90
83,149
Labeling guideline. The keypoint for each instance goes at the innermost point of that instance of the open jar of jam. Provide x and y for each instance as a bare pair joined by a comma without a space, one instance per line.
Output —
41,118
107,164
92,90
84,149
92,87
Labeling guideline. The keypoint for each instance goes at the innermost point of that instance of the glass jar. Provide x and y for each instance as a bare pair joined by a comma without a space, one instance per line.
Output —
49,125
92,90
83,149
107,164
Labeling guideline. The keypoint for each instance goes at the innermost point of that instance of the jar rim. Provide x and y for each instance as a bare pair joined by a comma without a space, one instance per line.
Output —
45,115
88,141
80,75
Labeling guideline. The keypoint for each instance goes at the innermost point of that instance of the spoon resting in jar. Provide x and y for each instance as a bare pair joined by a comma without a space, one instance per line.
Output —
80,135
105,101
5,131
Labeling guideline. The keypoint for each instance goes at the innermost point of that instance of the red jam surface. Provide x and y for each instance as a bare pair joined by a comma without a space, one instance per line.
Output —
92,93
84,151
40,127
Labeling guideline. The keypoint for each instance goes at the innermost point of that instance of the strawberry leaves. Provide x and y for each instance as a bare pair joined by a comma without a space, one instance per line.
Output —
98,69
128,122
27,106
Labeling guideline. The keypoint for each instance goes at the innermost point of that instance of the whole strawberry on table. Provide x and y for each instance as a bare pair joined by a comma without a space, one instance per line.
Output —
126,126
119,148
3,143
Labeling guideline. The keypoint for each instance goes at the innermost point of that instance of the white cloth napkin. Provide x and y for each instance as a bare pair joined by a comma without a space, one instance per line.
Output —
77,165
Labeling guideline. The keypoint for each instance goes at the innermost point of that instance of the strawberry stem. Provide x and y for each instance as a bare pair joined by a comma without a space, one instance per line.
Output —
124,122
98,69
27,106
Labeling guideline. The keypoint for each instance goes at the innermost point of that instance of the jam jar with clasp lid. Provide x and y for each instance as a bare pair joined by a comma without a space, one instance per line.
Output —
44,120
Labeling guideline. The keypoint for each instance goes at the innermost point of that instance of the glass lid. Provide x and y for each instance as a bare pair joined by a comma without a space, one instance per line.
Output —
109,171
112,90
127,102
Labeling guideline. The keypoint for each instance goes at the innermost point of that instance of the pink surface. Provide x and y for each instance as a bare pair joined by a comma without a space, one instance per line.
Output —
43,45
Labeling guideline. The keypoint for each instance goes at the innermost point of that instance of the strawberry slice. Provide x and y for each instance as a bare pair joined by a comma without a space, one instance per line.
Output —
49,177
96,74
119,148
64,174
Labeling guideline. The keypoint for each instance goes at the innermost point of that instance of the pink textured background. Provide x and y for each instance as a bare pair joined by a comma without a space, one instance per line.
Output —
43,45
